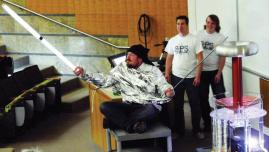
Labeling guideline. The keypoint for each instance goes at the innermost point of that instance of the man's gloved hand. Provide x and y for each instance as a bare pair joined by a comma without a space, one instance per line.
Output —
169,92
79,71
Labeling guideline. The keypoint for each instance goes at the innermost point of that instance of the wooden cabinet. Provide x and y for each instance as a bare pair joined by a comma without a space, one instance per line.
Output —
97,96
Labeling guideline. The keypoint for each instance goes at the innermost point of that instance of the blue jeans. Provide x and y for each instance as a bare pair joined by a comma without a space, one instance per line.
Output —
194,101
207,79
125,115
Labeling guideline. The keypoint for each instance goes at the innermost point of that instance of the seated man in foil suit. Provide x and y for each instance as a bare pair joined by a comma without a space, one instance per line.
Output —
143,89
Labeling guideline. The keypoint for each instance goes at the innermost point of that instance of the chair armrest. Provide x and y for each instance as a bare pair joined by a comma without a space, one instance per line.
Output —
13,102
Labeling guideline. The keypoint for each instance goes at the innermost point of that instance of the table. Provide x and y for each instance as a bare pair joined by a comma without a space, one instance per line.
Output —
98,96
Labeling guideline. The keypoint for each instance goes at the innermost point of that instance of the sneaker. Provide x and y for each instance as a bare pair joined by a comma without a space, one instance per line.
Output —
140,127
199,135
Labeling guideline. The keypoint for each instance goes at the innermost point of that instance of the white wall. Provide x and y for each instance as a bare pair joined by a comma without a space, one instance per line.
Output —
198,10
253,25
252,22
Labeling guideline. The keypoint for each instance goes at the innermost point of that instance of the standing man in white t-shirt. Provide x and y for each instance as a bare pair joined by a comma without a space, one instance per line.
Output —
184,53
212,66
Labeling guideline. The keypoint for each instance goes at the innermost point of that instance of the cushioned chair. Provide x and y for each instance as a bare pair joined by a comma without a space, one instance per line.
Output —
24,83
22,80
7,125
10,87
14,96
37,81
6,66
9,121
36,76
3,100
31,79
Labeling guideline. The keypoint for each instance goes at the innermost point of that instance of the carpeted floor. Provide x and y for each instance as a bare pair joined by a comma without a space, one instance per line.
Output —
70,132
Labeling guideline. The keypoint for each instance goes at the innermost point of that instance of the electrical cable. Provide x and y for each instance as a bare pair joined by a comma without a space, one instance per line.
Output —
143,30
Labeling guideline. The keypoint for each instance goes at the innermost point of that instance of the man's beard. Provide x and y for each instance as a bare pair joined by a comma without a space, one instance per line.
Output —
129,65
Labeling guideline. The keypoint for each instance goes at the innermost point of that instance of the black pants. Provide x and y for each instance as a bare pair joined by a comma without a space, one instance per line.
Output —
194,101
125,115
207,79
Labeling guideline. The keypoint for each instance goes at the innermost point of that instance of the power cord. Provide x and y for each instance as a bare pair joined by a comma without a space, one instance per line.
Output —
144,27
